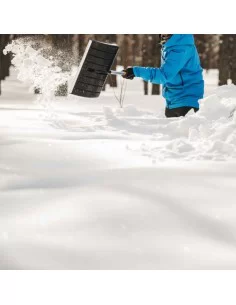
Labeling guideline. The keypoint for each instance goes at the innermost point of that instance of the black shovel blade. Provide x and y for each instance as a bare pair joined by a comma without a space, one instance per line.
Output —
93,69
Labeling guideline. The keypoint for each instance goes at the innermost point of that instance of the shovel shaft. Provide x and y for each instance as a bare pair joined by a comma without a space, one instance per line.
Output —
116,72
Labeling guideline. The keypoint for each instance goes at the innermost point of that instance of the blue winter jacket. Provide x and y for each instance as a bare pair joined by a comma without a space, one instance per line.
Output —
180,72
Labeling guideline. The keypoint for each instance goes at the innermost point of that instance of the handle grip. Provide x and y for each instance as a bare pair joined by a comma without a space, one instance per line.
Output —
116,72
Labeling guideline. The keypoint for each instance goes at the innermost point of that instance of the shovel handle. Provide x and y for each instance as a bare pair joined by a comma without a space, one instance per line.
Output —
116,72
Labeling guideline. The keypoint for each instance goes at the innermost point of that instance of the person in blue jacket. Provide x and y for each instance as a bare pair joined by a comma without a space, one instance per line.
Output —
180,74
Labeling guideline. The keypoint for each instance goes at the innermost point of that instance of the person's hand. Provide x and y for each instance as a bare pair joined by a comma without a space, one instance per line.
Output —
128,73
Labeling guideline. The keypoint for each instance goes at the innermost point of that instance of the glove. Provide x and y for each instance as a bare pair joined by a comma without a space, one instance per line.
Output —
128,73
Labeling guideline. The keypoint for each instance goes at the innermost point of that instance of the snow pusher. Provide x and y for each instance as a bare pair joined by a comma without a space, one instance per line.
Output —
94,69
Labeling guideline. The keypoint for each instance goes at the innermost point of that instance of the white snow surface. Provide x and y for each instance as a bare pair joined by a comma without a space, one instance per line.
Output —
85,184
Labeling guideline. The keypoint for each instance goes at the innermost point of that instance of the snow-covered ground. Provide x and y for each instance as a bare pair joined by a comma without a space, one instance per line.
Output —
87,185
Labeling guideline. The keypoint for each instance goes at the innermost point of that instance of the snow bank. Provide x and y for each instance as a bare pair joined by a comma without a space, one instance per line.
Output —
208,134
88,192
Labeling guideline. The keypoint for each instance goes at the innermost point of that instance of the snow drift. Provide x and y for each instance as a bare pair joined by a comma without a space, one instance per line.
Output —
94,186
208,134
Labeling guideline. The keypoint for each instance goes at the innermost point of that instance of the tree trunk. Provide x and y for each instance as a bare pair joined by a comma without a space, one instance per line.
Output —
81,45
224,65
233,60
151,58
201,47
112,79
5,61
128,50
64,43
145,87
145,60
155,60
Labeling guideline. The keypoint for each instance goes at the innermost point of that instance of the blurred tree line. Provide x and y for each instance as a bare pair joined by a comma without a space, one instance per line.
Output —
216,52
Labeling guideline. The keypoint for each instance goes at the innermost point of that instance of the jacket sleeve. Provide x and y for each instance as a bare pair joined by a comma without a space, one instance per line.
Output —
174,62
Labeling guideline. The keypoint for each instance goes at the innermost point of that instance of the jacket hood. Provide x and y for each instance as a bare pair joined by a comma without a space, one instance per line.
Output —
179,39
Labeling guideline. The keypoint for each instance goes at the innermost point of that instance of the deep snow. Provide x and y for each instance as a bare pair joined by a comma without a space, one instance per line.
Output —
87,185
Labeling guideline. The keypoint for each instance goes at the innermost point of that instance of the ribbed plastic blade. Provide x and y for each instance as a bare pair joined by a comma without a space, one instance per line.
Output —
93,69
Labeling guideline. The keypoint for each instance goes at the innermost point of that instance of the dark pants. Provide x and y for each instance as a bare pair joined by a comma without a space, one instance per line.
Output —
176,112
